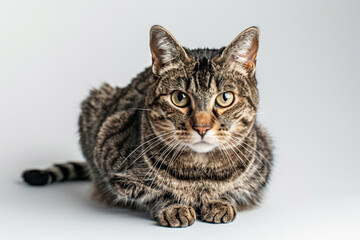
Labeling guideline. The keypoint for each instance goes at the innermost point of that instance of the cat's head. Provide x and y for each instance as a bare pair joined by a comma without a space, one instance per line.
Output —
206,98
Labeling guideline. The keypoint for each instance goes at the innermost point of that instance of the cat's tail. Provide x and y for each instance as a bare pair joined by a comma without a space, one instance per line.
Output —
57,173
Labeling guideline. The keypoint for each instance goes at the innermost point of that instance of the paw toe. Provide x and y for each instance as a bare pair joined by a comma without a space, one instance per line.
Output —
218,212
177,216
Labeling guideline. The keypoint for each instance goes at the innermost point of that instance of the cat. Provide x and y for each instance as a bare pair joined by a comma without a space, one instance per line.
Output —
181,141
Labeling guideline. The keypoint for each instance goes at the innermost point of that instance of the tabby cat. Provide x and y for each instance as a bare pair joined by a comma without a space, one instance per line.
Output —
181,141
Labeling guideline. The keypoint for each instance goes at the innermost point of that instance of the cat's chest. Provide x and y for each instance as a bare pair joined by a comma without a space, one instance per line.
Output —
198,192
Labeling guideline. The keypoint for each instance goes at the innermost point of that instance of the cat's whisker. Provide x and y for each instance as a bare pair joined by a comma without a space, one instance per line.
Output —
228,158
158,136
249,160
173,159
247,168
151,170
255,157
153,140
159,168
150,147
232,149
177,150
252,148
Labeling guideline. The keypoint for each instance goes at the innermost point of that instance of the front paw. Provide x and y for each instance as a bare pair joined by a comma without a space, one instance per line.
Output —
177,215
218,212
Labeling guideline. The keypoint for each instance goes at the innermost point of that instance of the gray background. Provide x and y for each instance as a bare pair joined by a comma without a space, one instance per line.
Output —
53,52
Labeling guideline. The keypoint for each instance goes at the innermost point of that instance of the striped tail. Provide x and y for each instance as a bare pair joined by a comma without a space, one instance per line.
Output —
57,173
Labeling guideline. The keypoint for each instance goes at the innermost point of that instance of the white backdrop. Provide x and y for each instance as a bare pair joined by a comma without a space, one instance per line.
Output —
53,52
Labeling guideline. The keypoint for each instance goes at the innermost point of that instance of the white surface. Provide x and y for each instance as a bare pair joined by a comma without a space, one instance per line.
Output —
53,52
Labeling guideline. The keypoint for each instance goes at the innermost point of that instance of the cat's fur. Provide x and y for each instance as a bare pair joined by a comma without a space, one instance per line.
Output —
144,152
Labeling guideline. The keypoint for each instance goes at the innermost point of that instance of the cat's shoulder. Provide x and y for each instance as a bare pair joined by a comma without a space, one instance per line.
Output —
99,97
107,95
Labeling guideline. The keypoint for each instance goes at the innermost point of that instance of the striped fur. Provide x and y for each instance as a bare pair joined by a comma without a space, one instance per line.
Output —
57,173
142,150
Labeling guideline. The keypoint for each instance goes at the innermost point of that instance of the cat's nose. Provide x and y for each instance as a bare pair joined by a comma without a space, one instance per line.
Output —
202,129
202,123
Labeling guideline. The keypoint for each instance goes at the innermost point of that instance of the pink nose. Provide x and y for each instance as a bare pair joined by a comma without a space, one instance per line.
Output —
202,130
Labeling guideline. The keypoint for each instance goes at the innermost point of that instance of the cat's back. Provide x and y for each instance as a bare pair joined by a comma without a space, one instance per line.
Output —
106,101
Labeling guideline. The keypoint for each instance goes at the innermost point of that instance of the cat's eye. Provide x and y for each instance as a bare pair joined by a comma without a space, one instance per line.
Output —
179,98
225,99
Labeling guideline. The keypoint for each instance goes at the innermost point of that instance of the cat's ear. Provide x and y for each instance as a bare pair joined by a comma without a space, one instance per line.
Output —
165,49
242,51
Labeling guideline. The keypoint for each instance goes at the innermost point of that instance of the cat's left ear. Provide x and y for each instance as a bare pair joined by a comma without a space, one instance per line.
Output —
165,49
242,51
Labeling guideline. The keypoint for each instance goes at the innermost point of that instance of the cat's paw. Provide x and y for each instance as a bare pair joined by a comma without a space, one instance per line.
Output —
218,212
177,215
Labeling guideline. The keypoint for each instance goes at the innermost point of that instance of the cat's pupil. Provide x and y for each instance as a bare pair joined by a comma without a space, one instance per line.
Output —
226,96
180,97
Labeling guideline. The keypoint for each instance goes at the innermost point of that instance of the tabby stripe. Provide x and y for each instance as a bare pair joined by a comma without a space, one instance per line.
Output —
109,162
211,79
109,110
52,177
65,172
105,148
188,84
170,171
70,167
251,103
124,126
115,158
55,171
80,170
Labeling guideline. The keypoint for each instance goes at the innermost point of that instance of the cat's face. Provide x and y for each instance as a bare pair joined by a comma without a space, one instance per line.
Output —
202,99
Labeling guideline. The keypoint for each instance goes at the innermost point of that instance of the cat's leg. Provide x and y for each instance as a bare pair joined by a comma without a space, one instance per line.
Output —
130,191
218,211
130,187
124,189
224,209
144,194
169,213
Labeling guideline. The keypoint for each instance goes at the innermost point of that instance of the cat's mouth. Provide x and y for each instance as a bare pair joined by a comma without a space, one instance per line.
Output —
202,146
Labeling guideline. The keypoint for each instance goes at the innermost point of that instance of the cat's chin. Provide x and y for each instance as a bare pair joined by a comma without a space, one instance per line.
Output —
202,147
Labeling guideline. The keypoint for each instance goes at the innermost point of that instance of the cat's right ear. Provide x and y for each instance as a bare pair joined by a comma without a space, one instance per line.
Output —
241,52
165,49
